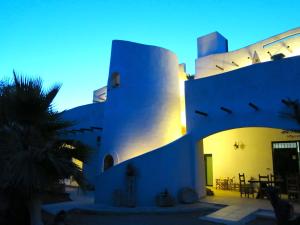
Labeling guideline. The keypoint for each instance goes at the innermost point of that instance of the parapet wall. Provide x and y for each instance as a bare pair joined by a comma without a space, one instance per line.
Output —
170,167
287,43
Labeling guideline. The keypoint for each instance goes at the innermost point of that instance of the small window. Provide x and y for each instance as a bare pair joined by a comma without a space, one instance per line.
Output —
115,80
98,140
108,162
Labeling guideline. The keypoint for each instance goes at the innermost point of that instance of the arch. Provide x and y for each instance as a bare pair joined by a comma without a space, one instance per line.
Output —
108,162
242,147
274,123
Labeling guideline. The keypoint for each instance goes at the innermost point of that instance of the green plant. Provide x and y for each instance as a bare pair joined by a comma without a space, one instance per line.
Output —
131,170
164,199
34,154
190,77
294,109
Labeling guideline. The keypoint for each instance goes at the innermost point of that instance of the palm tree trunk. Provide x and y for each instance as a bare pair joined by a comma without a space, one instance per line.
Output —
34,206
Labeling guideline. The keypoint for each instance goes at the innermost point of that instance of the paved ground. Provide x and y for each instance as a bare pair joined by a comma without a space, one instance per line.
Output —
80,218
178,215
233,198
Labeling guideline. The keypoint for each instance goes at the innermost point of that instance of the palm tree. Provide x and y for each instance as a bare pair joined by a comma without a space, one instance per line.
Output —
34,153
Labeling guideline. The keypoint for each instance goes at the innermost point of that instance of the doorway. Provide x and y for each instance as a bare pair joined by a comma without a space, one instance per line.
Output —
285,159
208,169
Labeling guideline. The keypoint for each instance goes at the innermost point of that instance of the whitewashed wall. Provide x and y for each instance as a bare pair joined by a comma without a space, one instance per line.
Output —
88,116
264,84
254,155
143,113
169,167
287,43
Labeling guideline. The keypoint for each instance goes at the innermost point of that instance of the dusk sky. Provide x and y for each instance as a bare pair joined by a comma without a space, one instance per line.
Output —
69,41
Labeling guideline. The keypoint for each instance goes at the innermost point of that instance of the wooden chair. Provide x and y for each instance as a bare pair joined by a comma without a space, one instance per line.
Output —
245,188
263,178
225,184
263,185
276,185
230,184
293,187
273,178
218,183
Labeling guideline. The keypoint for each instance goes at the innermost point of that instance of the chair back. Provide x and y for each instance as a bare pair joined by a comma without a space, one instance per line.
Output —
263,177
242,179
292,182
274,177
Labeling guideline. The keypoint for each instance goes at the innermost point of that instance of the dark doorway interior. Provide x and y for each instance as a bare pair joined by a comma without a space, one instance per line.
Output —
285,159
208,169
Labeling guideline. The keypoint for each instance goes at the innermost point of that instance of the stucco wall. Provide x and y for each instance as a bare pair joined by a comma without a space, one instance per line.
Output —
88,116
212,43
143,112
287,43
264,84
169,167
85,116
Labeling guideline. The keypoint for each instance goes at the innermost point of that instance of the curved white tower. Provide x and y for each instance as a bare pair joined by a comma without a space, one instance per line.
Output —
142,110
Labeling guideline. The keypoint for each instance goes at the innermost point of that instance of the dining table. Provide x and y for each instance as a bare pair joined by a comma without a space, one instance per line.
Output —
264,184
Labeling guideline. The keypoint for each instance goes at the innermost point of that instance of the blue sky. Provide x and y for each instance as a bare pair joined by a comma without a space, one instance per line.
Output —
69,41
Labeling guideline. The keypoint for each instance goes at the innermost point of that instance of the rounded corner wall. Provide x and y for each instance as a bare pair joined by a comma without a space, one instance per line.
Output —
142,110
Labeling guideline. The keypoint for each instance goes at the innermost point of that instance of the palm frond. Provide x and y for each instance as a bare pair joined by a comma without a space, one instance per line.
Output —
51,94
33,155
293,107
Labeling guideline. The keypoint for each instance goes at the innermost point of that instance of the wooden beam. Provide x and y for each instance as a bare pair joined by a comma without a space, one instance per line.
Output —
253,106
96,128
284,102
234,63
269,53
85,129
221,68
76,130
226,110
201,113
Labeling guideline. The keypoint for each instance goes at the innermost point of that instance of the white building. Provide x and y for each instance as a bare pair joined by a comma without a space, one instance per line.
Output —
187,133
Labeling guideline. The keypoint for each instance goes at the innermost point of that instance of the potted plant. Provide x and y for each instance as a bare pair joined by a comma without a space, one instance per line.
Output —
164,199
131,174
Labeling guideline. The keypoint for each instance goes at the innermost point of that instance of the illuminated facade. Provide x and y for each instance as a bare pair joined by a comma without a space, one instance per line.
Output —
152,117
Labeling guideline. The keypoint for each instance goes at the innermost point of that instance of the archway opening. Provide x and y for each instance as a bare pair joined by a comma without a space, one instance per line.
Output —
108,162
252,151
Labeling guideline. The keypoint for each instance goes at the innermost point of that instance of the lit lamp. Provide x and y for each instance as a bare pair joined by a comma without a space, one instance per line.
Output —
238,145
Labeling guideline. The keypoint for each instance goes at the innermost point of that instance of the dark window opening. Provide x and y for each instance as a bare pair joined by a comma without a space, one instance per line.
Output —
115,80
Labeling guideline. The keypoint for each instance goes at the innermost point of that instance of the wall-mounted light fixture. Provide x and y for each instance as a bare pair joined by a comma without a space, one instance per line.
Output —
238,145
